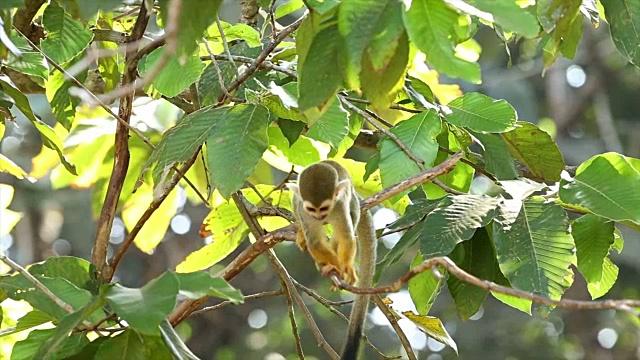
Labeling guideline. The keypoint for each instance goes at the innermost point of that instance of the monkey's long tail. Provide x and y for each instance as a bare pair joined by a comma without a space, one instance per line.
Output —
367,245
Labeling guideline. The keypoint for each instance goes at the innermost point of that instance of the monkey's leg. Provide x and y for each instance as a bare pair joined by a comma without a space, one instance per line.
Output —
318,246
345,244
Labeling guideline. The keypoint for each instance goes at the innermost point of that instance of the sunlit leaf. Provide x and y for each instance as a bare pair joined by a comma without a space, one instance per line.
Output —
481,113
425,287
175,76
433,327
66,37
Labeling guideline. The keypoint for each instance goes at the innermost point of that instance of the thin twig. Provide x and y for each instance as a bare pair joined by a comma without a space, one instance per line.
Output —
229,302
247,60
218,71
621,305
225,44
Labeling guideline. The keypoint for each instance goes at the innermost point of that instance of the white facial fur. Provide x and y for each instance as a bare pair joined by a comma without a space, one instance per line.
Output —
321,212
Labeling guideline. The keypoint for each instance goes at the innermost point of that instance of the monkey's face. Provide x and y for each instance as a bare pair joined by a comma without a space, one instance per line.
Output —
319,212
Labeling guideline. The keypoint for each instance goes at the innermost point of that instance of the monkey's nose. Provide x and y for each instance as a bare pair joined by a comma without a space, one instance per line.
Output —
321,217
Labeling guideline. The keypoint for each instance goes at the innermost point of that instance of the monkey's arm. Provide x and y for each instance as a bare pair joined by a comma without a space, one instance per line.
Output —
344,238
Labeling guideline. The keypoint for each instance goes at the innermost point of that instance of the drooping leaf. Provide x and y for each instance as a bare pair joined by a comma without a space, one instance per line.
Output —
318,75
49,138
63,105
594,237
9,167
433,327
534,247
608,185
193,21
425,287
237,143
535,149
510,16
477,258
481,113
430,24
227,230
66,37
174,343
175,76
624,18
198,284
145,308
497,159
155,228
418,134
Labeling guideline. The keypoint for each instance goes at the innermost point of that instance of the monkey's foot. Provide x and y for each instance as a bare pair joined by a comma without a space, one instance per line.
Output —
346,273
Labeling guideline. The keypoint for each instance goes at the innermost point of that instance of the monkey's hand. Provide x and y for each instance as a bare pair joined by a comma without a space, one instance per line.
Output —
346,272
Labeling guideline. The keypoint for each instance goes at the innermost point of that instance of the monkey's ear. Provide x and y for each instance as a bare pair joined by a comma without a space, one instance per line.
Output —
293,187
342,186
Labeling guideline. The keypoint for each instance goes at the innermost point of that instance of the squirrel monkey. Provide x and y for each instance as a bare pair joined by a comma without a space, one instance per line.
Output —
325,195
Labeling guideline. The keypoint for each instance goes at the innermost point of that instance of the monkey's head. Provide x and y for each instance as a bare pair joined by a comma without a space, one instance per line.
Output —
320,187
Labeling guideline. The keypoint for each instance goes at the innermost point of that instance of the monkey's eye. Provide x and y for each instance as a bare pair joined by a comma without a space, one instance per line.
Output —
324,208
310,209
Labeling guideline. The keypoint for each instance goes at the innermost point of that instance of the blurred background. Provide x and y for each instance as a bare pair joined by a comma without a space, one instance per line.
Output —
588,104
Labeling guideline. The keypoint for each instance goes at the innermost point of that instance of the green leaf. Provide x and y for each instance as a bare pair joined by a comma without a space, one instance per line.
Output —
382,81
209,89
130,345
332,126
288,7
180,142
145,308
49,138
63,105
430,24
497,159
425,287
9,167
594,238
31,319
318,75
175,344
607,185
477,258
31,62
303,152
481,113
433,327
66,37
88,9
418,134
535,149
321,6
61,343
77,271
176,75
624,18
454,220
198,284
534,247
245,128
227,229
193,21
27,349
509,16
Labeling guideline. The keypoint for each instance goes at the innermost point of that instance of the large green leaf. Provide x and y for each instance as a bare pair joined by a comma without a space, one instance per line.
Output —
145,308
418,134
77,271
66,37
359,22
49,138
534,247
237,144
510,16
31,62
607,185
332,126
131,345
198,284
430,24
497,159
478,258
318,75
425,287
27,349
209,89
180,142
63,105
193,21
175,76
481,113
454,220
227,229
535,149
594,237
624,18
